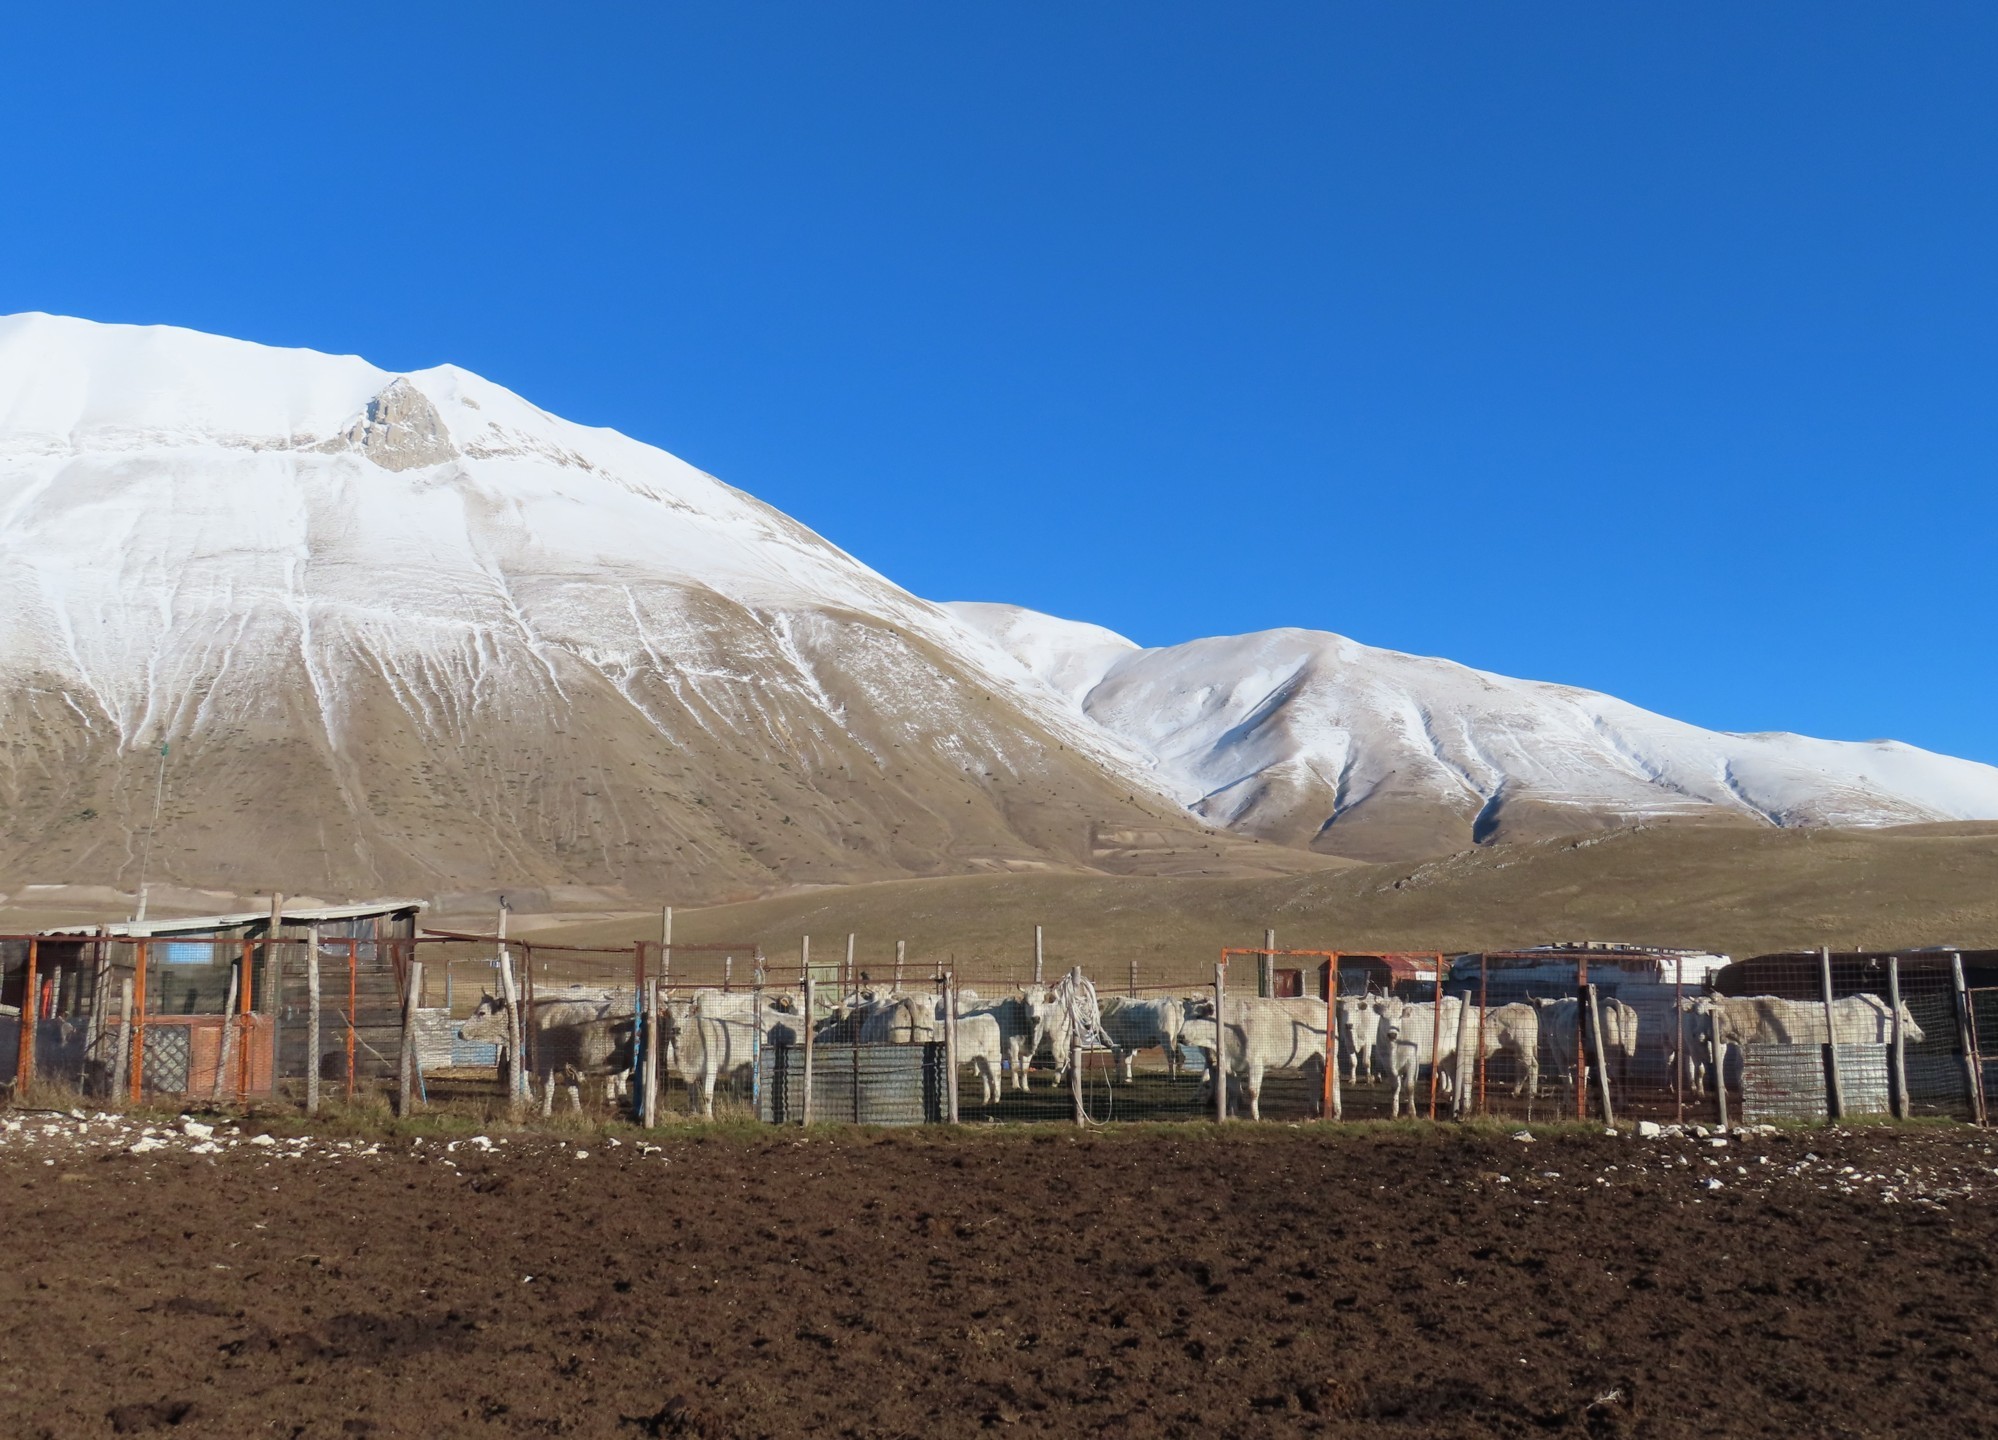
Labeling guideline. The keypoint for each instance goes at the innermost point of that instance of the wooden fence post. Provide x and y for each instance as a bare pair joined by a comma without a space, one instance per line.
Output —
1897,1057
1081,1113
1266,966
901,950
1835,1082
30,1018
1333,1106
273,997
1220,1066
811,1024
121,1066
1132,989
1718,1045
1601,1053
1038,977
950,1046
312,1020
1967,1039
137,1072
649,1085
353,1004
405,1097
1679,1047
516,1062
226,1051
850,985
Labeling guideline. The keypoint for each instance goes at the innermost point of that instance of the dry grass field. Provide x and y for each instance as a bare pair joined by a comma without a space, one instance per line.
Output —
1738,891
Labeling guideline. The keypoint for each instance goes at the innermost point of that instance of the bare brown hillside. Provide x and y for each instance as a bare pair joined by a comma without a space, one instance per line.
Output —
1728,889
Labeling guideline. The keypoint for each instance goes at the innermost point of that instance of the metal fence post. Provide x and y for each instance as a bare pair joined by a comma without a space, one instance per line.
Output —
1220,1066
1897,1057
1835,1086
1966,1038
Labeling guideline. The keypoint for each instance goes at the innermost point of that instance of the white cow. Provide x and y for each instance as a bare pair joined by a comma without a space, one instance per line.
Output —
1021,1021
1131,1025
1257,1035
1772,1020
1415,1036
1558,1019
1359,1021
576,1034
918,1020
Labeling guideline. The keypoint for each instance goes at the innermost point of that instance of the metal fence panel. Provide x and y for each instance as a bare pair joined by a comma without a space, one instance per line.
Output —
1789,1082
856,1084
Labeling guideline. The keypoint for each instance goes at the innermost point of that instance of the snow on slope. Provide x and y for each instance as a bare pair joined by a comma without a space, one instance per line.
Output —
1291,732
202,537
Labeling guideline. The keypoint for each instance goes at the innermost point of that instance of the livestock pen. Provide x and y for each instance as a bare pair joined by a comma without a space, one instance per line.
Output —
323,1004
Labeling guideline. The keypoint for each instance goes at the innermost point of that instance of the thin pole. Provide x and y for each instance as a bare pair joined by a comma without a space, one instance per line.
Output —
273,1006
121,1066
1484,996
1898,1056
900,953
312,1019
1581,1039
226,1050
353,999
805,1110
137,1074
666,948
243,1023
1132,990
1836,1094
1679,1049
1037,955
850,971
649,1094
1602,1061
1967,1038
1266,966
30,1020
1220,1043
1435,1036
950,1046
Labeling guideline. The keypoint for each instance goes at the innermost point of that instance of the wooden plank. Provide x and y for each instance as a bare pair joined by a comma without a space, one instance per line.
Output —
1601,1052
312,1020
1897,1075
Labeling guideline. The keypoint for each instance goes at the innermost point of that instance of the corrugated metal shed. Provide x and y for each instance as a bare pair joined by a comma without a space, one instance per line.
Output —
859,1084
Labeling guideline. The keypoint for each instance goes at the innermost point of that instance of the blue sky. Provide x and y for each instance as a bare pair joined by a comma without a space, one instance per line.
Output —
1646,348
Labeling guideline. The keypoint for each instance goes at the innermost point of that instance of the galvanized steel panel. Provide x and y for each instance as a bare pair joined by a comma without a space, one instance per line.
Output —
858,1084
1790,1082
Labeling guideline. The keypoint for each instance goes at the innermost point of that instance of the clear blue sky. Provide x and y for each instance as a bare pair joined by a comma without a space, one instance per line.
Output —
1643,347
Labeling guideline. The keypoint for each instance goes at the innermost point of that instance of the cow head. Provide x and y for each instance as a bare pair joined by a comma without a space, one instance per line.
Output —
487,1024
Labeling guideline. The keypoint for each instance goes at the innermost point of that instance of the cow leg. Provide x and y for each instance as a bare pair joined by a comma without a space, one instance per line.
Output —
548,1094
1253,1085
708,1095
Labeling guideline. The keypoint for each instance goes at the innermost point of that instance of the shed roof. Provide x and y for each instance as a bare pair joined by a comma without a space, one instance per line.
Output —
291,914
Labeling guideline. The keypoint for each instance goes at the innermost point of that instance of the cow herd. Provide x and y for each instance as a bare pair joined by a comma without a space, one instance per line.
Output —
1409,1047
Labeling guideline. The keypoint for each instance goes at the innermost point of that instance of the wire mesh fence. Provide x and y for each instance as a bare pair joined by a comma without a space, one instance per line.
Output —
652,1030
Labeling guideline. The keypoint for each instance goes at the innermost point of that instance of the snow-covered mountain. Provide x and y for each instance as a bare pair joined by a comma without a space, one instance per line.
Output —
1311,738
409,631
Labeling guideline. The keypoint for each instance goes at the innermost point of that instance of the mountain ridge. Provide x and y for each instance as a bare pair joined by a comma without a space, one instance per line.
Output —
406,631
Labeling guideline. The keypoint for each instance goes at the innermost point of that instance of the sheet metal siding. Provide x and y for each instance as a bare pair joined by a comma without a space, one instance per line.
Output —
858,1084
1789,1082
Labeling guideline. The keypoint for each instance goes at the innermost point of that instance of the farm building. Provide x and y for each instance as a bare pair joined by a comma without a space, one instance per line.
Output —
1410,975
186,974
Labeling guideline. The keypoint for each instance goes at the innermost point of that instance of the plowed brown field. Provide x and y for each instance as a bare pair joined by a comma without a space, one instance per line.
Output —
1268,1282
